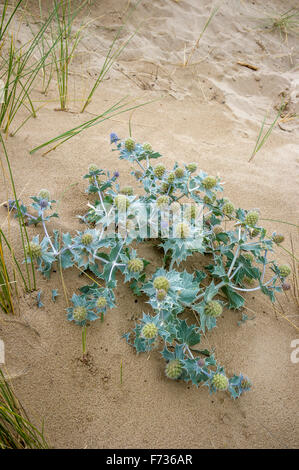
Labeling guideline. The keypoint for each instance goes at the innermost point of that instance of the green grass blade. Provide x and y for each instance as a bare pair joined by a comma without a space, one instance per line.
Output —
22,226
16,430
115,110
261,140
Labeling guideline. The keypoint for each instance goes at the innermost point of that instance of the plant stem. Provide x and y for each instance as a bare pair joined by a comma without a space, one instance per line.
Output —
84,332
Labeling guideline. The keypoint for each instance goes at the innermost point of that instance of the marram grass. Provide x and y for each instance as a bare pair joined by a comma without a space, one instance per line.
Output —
6,301
29,279
16,430
20,70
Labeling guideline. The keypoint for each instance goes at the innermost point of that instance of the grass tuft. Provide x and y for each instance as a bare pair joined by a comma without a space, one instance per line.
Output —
285,23
16,431
261,139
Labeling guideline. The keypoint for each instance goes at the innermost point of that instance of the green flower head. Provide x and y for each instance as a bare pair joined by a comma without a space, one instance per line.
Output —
179,172
93,167
174,369
159,171
101,302
228,208
161,283
86,239
135,265
80,313
213,308
192,167
251,218
220,382
44,194
35,248
277,238
147,147
130,144
149,331
209,182
163,202
171,178
284,270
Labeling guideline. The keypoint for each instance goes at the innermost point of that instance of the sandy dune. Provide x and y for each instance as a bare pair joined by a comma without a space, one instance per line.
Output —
209,112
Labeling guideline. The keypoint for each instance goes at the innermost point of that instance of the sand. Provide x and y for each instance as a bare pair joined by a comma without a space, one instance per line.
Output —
210,113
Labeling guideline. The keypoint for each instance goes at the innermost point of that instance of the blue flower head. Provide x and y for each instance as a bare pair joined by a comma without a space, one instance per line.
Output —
113,138
82,310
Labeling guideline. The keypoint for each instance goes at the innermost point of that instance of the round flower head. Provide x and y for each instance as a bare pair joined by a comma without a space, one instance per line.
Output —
44,203
121,202
209,182
220,381
128,190
218,229
86,239
179,172
228,208
147,147
213,308
192,167
101,302
159,171
113,138
130,144
93,167
44,194
277,238
35,248
182,230
191,212
135,265
79,313
171,178
161,283
209,200
161,294
149,331
284,270
163,202
174,369
251,218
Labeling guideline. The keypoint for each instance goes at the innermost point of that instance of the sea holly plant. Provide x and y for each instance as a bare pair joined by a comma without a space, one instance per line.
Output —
184,212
